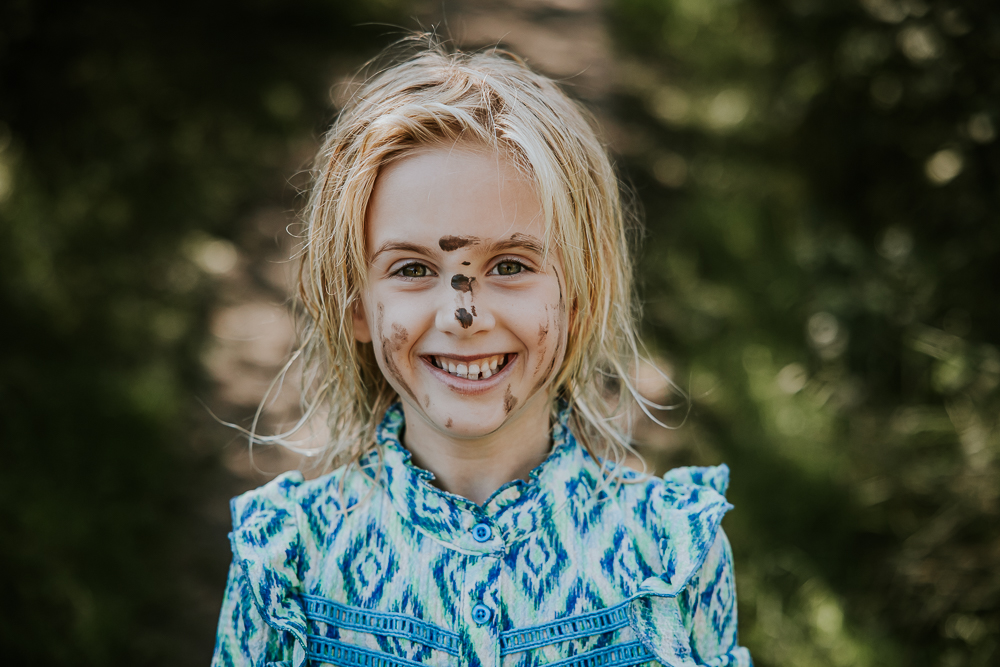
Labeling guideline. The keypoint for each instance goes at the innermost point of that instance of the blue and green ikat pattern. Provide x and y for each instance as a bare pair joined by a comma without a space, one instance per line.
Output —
374,566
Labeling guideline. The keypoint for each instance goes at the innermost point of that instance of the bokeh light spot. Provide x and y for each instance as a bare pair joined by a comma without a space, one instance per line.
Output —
943,166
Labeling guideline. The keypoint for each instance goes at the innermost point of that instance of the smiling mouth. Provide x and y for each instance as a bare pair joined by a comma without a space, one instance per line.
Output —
479,369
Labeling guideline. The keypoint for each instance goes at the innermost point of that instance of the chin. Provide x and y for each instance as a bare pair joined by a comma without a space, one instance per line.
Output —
470,423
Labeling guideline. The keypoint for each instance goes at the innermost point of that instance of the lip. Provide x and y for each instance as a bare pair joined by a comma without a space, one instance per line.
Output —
470,387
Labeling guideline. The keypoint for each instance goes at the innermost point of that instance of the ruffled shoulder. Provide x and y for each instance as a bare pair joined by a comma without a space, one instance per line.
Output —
713,477
268,547
683,513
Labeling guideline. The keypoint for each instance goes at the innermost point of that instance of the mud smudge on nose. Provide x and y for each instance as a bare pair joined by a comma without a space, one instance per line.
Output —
464,317
462,283
509,401
466,263
449,243
448,423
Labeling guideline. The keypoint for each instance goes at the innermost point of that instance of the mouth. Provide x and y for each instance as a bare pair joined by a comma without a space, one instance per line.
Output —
471,369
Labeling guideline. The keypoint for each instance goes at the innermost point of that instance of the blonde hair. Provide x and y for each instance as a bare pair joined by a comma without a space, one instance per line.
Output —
493,99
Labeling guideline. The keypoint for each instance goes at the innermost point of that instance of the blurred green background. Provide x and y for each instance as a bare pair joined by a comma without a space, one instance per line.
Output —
820,271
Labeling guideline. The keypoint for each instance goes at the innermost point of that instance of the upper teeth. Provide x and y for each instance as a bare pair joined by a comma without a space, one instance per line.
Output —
486,366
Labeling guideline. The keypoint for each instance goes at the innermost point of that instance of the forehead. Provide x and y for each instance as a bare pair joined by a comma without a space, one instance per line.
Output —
452,191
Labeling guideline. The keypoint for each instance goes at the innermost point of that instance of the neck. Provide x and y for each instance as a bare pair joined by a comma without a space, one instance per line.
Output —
476,467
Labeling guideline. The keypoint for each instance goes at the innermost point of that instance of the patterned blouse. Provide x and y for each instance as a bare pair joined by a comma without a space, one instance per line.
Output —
373,566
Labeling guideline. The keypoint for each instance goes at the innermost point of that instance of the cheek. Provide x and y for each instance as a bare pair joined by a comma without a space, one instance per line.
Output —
392,339
551,336
544,327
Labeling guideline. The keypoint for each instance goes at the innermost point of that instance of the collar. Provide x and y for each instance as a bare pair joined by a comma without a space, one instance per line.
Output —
514,511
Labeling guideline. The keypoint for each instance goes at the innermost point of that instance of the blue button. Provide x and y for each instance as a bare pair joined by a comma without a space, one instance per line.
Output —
481,614
482,532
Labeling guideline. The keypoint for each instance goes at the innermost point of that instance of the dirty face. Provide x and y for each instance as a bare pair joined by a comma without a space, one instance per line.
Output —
462,308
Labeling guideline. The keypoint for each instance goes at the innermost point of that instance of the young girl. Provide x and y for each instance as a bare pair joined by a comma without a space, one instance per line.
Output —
467,280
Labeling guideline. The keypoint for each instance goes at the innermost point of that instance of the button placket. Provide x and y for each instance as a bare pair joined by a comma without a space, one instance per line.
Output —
482,600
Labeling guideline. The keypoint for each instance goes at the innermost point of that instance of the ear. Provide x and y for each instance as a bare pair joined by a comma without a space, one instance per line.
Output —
362,332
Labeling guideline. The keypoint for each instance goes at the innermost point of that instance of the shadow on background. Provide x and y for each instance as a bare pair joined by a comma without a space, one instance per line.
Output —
819,182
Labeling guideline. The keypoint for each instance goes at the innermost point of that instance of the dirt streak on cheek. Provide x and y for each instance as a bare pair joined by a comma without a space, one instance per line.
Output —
543,332
399,336
389,347
509,401
561,310
552,362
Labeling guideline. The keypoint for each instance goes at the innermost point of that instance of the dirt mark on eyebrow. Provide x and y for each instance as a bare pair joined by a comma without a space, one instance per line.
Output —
399,337
509,401
462,283
449,243
464,317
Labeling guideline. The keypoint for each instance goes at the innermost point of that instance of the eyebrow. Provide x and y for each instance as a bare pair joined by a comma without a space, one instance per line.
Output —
515,241
401,245
525,241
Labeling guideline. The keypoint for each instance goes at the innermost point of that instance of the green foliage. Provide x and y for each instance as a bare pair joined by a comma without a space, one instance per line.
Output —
820,181
130,135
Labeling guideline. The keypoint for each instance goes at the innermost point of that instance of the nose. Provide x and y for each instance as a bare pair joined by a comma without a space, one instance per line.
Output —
463,313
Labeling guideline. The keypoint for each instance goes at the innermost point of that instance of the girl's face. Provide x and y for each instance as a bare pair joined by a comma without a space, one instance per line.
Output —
467,319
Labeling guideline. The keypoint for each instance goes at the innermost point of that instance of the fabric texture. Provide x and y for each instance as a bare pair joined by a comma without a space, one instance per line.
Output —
372,565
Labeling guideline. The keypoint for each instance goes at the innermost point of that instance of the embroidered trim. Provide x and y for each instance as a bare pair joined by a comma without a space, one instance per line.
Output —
585,625
383,623
624,655
340,654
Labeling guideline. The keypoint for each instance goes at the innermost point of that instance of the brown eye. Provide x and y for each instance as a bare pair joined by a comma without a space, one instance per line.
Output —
509,268
414,271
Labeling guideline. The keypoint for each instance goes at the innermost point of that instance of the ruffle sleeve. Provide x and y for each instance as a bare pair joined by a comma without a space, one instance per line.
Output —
262,621
686,615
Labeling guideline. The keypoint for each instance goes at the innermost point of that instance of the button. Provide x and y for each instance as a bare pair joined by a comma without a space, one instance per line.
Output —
481,614
482,532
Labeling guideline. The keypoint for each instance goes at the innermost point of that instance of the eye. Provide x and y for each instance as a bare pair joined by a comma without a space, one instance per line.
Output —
414,270
508,268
